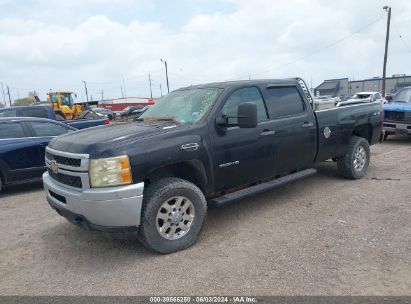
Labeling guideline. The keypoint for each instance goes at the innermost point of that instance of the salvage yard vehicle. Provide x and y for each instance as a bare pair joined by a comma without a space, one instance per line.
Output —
46,111
397,113
22,147
362,97
208,144
129,111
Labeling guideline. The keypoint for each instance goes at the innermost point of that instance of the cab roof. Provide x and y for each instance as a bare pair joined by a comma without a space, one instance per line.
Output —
241,83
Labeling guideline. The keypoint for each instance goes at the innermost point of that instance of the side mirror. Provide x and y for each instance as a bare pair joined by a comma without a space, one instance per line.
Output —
247,115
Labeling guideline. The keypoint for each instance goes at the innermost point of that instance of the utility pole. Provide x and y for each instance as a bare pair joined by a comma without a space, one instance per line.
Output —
161,91
124,86
102,94
165,65
8,91
122,93
4,96
85,88
387,38
149,80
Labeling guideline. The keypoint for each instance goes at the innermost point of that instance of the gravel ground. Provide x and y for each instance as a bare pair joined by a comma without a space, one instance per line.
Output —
320,236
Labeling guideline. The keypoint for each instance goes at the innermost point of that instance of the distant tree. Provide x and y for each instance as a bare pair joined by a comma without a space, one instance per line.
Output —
23,101
1,105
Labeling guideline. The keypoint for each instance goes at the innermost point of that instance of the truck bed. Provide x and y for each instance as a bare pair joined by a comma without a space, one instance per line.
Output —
344,121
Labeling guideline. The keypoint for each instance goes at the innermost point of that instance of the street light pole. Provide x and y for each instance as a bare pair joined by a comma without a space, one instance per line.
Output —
151,91
165,65
4,96
8,91
387,37
85,88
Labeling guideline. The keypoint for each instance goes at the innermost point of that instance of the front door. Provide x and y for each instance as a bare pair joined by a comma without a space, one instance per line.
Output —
19,156
242,155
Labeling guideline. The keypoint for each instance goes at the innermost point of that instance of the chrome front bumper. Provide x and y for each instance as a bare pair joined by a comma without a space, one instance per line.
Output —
107,207
397,128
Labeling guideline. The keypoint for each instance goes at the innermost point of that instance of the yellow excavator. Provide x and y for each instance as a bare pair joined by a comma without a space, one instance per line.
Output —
64,106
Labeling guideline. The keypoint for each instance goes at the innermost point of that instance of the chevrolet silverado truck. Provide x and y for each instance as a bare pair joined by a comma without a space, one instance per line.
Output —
203,145
397,113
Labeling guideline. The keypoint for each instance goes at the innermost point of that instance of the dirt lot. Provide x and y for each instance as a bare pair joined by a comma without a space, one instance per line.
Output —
320,236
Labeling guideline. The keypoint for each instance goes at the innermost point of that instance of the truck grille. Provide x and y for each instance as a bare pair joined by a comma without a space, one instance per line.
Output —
69,169
69,180
394,116
73,162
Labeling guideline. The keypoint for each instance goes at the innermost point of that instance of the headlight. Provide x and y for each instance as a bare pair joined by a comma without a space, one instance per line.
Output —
112,171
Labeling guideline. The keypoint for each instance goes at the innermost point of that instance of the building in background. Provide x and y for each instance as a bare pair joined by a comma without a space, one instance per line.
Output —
344,87
119,104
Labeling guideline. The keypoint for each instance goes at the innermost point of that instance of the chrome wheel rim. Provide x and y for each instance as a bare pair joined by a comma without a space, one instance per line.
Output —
175,217
360,158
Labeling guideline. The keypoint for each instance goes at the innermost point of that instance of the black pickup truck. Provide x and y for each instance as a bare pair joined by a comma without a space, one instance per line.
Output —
209,144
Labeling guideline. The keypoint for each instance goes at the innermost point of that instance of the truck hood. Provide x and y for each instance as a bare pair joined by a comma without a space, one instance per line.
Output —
95,141
398,106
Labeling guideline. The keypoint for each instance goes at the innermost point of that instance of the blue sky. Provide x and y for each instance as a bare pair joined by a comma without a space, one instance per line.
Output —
57,44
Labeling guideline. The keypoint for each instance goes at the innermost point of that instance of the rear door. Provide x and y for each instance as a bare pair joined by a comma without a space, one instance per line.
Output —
19,159
294,124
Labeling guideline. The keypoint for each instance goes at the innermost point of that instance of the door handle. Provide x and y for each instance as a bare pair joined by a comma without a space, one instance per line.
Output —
267,132
307,124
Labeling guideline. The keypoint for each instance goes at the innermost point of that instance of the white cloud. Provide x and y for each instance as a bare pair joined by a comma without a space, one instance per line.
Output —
254,37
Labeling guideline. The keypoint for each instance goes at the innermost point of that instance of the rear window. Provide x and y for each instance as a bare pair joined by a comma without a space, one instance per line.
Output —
284,101
11,130
34,112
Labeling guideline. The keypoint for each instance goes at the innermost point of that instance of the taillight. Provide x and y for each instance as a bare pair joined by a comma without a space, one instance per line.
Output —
106,121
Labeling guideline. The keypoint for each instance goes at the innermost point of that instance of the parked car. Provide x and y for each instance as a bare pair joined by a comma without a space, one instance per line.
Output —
324,102
46,111
104,112
362,97
200,145
137,113
397,113
128,111
22,147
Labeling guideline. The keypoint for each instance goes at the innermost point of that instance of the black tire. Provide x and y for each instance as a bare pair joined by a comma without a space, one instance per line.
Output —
155,196
1,183
346,163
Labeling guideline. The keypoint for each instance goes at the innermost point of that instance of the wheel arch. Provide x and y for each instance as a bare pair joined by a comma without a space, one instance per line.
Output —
364,131
191,170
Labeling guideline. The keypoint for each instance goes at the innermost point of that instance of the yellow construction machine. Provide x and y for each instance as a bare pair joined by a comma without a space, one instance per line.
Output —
64,106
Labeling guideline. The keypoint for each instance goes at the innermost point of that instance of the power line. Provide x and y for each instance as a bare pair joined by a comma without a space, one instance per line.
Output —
321,49
401,38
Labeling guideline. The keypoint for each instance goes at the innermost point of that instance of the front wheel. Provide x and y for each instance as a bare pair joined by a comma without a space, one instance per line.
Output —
173,213
354,163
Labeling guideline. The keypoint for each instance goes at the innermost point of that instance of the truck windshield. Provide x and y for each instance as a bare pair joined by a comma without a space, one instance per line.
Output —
361,96
403,96
186,106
